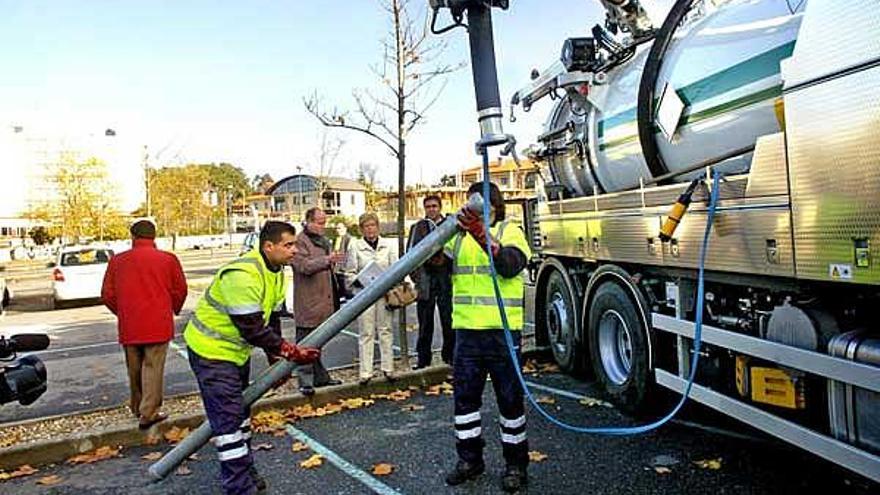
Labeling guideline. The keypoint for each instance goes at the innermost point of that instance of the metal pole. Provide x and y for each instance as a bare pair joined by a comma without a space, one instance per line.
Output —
321,335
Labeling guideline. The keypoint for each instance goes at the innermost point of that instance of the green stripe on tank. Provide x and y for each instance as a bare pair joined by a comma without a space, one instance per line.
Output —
746,72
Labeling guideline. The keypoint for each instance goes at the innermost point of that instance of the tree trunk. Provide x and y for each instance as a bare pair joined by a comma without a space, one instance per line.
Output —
401,170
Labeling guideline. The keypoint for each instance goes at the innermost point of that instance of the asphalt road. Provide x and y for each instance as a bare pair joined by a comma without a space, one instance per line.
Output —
420,446
86,366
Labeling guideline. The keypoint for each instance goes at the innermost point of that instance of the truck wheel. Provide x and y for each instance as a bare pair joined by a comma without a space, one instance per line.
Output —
619,348
562,323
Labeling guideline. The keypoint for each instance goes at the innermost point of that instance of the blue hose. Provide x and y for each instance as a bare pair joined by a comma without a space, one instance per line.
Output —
698,326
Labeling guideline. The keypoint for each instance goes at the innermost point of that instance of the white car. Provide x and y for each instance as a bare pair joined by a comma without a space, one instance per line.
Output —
79,273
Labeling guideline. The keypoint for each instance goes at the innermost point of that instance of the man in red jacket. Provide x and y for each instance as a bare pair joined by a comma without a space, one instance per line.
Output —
144,287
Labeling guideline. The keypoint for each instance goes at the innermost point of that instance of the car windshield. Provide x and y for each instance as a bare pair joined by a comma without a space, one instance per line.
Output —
86,257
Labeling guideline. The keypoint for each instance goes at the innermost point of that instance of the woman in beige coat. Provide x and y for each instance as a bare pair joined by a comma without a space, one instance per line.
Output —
375,319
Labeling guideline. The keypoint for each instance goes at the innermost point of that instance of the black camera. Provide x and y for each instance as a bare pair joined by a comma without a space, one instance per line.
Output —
22,379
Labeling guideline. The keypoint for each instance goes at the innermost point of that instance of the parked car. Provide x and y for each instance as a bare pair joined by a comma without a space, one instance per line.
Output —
210,242
79,272
249,242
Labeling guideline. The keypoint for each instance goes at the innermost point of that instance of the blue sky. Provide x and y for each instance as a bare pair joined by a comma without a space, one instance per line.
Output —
224,81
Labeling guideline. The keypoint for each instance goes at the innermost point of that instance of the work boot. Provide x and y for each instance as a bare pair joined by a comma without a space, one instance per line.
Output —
259,481
464,471
514,478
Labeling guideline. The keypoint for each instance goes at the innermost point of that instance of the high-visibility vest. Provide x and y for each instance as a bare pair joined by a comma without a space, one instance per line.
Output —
473,295
210,332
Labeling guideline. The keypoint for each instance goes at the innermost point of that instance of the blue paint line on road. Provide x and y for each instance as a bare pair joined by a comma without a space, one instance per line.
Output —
348,468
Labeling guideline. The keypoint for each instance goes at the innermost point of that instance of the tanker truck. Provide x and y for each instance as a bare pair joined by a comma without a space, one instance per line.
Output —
782,98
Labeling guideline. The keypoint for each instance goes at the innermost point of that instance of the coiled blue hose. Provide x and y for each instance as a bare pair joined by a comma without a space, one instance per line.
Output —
698,325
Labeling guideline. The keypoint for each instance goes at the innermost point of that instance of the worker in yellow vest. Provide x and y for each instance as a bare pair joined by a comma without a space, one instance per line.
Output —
241,310
480,346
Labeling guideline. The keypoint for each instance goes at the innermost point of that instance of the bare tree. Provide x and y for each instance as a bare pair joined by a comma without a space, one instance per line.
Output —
412,77
325,161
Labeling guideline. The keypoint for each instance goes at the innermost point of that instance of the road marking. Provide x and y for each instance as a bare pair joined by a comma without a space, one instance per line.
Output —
346,467
74,348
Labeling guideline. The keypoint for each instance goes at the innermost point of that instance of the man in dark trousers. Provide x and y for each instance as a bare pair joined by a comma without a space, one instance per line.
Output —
145,287
480,345
314,294
240,310
434,286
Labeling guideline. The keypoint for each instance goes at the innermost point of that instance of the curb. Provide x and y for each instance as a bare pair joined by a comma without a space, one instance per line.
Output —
60,449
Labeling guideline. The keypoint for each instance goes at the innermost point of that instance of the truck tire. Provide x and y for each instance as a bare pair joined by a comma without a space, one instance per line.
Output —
619,349
560,319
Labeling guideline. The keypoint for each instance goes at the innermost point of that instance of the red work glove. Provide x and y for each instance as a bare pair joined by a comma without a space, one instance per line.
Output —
299,354
473,225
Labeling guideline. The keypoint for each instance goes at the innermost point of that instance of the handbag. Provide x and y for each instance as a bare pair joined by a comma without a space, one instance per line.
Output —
401,296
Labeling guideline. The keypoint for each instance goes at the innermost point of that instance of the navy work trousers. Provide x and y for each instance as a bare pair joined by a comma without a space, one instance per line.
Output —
439,295
221,384
479,353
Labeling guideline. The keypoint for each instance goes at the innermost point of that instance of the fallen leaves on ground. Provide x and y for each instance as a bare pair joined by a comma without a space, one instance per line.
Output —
175,434
183,471
52,479
412,407
712,464
383,469
268,421
536,456
441,388
546,399
548,368
529,367
23,470
99,454
591,402
662,470
400,395
263,446
9,439
312,462
152,456
152,439
299,447
356,403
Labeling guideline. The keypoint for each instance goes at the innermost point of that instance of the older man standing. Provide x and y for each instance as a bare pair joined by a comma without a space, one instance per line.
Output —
314,292
145,287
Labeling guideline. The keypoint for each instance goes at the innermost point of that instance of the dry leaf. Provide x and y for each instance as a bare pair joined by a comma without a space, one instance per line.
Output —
382,469
299,447
713,464
99,454
262,446
536,456
312,462
176,434
549,368
413,388
152,456
529,367
662,470
279,433
356,403
52,479
9,439
23,470
412,407
183,471
152,439
193,457
442,388
591,402
399,395
268,421
546,399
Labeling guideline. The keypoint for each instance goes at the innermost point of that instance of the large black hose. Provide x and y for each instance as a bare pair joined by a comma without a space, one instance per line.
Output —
646,108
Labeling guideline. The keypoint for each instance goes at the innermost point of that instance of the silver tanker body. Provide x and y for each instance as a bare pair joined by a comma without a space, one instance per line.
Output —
722,66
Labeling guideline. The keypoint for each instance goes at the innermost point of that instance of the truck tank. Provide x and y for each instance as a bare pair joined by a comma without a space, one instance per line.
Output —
723,67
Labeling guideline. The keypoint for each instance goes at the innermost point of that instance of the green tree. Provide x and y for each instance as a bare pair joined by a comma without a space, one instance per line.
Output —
180,200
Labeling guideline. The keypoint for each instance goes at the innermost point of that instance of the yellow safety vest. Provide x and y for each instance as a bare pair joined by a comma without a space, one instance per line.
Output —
210,332
473,295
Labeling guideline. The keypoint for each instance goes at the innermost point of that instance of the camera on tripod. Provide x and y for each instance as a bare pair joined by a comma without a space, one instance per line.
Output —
22,379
